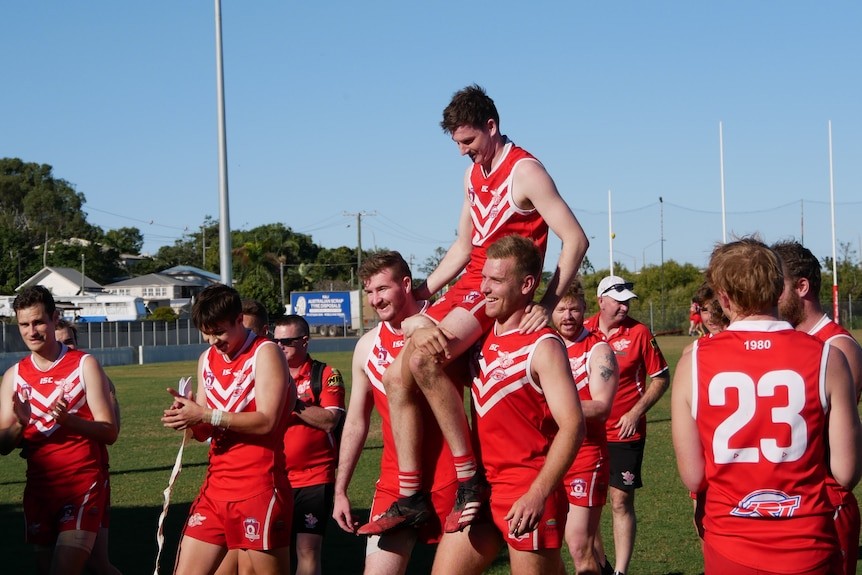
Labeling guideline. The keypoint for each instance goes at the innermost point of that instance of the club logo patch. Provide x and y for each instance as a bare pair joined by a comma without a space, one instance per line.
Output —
252,528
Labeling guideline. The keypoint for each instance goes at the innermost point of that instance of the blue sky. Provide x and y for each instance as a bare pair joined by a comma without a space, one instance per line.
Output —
333,108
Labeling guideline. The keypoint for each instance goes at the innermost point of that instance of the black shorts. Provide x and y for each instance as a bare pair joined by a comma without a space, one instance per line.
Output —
626,458
312,508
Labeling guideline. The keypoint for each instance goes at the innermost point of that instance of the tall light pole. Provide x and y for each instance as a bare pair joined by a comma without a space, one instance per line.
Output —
359,215
224,207
661,241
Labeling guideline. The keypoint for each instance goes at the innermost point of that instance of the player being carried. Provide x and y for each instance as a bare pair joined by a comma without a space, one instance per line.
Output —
506,191
387,282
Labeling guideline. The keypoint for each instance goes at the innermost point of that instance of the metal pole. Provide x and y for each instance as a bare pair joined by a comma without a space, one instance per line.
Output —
835,317
281,277
224,207
721,160
358,265
611,236
661,242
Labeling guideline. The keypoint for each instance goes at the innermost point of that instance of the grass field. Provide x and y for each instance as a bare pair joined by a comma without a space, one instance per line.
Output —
144,454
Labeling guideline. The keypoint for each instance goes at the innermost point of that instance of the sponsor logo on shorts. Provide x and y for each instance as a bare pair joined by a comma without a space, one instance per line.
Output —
767,503
310,521
68,514
628,478
196,519
578,488
252,528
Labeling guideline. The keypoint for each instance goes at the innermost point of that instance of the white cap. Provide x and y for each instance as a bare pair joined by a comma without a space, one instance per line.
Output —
616,288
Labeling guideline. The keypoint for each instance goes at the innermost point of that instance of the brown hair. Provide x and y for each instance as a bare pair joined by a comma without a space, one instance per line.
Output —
705,298
799,262
256,310
378,261
748,272
469,107
35,295
528,259
215,304
296,320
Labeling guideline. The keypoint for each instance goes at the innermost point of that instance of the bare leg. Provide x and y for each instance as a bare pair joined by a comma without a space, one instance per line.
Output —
308,548
581,526
274,562
441,392
68,560
625,526
389,554
229,565
467,552
535,562
99,563
402,393
197,557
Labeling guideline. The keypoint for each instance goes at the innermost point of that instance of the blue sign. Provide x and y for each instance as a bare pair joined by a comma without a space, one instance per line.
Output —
322,307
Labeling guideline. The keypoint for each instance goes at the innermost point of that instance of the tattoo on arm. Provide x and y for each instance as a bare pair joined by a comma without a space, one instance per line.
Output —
608,366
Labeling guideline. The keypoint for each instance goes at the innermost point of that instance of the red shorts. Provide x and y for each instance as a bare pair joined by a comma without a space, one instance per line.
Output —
465,296
587,485
442,500
847,527
46,515
714,563
260,523
551,530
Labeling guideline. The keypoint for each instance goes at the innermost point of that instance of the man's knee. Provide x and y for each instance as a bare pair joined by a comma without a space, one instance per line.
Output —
308,545
582,551
622,502
424,367
76,539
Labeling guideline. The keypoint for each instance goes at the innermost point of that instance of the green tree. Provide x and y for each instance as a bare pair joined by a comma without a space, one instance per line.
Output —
164,313
431,262
99,264
125,240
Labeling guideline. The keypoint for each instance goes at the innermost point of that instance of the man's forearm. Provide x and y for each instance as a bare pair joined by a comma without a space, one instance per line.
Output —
318,417
656,388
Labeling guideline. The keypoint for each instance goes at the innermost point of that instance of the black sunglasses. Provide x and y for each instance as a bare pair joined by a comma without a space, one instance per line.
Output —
288,341
619,287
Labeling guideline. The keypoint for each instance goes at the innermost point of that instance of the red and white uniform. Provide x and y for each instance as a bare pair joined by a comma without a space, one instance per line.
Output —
639,357
586,482
847,520
515,428
311,453
66,471
759,400
438,476
494,215
240,465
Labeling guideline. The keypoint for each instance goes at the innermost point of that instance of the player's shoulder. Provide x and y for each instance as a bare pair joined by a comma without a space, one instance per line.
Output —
365,343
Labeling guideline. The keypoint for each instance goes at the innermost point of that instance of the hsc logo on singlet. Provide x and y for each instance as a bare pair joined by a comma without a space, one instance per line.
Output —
767,503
